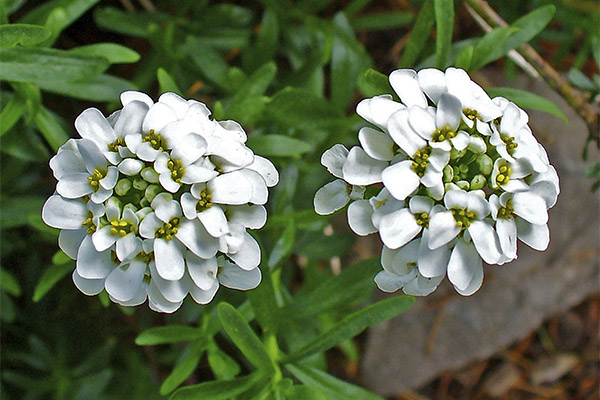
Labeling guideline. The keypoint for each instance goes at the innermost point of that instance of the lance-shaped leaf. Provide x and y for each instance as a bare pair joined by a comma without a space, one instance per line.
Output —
444,22
51,276
419,35
216,390
23,34
186,364
168,334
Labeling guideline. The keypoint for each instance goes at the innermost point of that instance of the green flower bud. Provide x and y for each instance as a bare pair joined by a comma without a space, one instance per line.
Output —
122,187
455,154
464,168
464,185
151,192
478,182
448,174
149,174
140,184
484,164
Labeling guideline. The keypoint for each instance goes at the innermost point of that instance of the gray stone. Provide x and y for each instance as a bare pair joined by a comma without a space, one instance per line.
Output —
446,331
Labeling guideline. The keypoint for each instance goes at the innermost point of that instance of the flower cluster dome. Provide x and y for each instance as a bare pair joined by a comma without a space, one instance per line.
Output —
154,202
447,176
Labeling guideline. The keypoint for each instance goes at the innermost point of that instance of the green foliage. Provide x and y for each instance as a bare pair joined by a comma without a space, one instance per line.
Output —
529,100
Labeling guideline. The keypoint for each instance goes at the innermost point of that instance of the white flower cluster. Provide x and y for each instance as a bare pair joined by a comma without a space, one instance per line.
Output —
447,176
154,201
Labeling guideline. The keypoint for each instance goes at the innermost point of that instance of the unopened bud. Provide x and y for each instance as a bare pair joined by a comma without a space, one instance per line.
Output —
464,185
485,164
151,192
150,175
140,184
122,187
448,174
478,182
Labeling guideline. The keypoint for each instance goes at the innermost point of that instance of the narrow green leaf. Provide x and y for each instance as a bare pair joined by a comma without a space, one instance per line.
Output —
114,53
381,20
11,113
264,303
168,334
486,48
8,283
596,49
374,83
17,209
51,127
444,22
266,42
278,146
216,390
337,388
283,246
305,392
60,258
242,335
527,27
129,24
464,57
166,82
43,65
55,23
208,61
186,364
222,365
317,246
528,100
336,291
354,324
419,35
73,10
23,34
51,276
99,88
355,6
576,77
291,106
249,99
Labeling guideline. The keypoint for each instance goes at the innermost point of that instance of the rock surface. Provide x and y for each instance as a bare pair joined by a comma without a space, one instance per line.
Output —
446,331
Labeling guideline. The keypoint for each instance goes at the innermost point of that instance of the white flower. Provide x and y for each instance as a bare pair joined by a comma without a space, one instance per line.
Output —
152,192
453,164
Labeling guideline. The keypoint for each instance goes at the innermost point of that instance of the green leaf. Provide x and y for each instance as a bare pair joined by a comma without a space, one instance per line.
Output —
320,247
300,108
248,99
576,77
8,283
336,291
528,100
208,61
486,48
186,364
305,392
264,304
216,390
46,65
114,53
374,83
99,88
51,127
527,28
222,365
168,334
419,35
348,62
335,387
11,113
283,246
354,324
73,10
129,24
16,210
51,276
277,146
166,82
23,34
464,57
60,258
381,20
266,43
355,6
444,22
244,337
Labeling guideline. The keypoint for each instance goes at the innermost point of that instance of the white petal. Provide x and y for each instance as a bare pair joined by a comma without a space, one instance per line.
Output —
145,152
475,283
478,204
359,217
433,83
400,179
486,241
91,155
535,236
110,180
214,220
248,256
137,299
389,282
92,264
377,110
398,228
149,225
432,177
232,151
189,148
260,193
176,102
157,301
130,166
74,185
530,207
231,188
159,115
195,173
462,140
127,246
376,143
204,296
131,95
361,169
103,238
422,286
195,237
89,287
66,162
463,264
168,256
202,271
403,134
420,204
507,235
331,197
92,125
69,241
188,205
123,283
168,210
405,83
234,277
168,183
172,290
62,213
432,263
442,229
266,169
250,216
421,122
449,112
130,119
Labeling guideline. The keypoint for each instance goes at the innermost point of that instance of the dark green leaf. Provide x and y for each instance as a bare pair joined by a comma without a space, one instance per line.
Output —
16,210
265,45
23,34
114,53
419,35
73,10
374,83
99,88
11,113
47,65
222,365
264,303
186,364
166,82
444,22
305,392
60,258
248,100
168,334
528,100
355,6
208,61
216,390
335,387
51,276
487,47
464,57
283,246
277,146
354,324
129,24
244,337
381,20
8,283
576,77
51,127
320,247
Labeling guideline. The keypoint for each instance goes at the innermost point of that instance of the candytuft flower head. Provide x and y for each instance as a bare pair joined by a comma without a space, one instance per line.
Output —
154,202
458,177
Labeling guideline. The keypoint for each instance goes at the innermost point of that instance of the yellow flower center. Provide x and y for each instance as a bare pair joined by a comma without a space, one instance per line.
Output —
156,140
420,161
463,217
120,227
89,223
504,175
422,219
97,175
169,229
442,134
205,201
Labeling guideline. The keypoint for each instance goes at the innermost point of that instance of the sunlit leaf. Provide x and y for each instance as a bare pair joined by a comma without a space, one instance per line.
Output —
216,390
168,334
278,145
23,34
113,52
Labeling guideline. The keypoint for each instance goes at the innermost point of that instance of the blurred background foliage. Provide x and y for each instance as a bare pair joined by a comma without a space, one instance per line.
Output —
291,73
